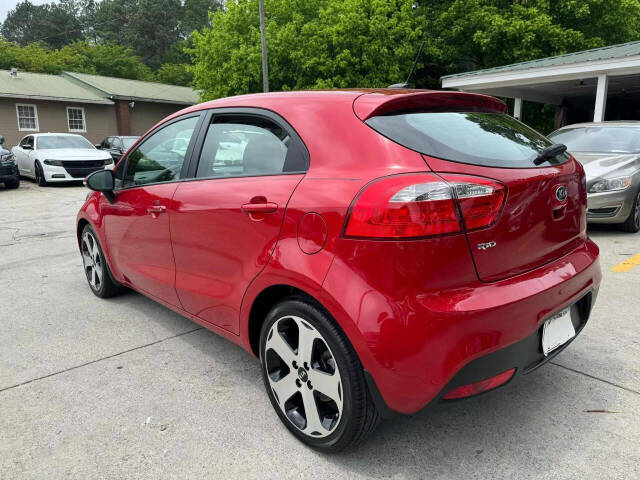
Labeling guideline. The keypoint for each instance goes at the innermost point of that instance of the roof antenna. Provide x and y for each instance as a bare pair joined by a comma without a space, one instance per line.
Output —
413,69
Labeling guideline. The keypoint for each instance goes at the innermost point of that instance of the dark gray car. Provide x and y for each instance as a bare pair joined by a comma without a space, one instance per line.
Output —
610,154
8,169
117,145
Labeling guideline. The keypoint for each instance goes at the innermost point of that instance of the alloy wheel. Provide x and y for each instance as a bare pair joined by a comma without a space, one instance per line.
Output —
304,376
92,260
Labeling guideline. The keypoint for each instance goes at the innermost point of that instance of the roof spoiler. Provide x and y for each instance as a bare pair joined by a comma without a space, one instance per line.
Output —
386,101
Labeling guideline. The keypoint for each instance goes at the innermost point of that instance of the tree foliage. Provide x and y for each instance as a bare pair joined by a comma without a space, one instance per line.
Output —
56,24
311,44
320,44
103,59
371,43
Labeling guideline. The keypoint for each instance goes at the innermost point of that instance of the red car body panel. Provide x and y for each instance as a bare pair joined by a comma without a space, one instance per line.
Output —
415,311
212,275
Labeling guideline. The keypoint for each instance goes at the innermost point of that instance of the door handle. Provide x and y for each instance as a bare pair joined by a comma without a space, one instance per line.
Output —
266,207
156,210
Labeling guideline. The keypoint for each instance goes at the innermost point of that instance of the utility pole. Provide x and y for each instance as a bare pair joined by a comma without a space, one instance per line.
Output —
263,38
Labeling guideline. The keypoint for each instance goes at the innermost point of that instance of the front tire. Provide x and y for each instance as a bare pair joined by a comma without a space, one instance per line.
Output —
314,378
632,224
95,266
40,180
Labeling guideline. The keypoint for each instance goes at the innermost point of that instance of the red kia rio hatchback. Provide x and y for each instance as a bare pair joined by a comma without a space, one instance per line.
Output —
378,250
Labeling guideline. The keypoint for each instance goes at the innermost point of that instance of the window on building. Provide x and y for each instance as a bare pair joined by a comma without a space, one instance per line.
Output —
27,117
75,119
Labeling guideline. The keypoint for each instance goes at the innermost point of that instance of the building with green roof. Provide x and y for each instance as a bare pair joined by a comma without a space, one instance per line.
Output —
592,85
104,106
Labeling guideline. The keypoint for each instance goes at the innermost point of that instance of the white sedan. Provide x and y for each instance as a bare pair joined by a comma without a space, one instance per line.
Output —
59,157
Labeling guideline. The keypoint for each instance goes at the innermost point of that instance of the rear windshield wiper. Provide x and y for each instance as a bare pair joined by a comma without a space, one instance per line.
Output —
550,152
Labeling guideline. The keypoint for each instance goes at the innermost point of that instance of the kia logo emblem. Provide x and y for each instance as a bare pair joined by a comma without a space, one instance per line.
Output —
561,193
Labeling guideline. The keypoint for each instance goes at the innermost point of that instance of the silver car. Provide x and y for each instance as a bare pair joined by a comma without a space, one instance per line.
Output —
610,154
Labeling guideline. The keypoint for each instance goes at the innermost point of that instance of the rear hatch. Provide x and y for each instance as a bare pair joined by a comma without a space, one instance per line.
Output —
543,213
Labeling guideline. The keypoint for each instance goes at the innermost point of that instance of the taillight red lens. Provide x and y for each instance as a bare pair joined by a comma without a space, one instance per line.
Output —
404,206
480,199
479,387
422,205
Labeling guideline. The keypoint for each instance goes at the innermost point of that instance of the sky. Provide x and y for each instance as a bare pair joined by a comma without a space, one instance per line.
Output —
7,5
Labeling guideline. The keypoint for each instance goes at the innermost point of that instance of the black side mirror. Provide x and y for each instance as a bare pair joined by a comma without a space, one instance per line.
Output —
98,146
1,140
27,147
102,181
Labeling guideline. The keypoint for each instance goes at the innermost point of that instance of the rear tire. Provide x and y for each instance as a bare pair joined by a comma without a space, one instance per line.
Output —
14,183
324,400
632,224
40,180
95,265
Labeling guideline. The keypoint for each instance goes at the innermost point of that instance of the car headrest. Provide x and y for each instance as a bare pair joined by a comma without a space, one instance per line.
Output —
263,155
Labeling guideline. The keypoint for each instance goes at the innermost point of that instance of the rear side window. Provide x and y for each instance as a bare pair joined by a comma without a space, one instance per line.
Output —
238,145
486,139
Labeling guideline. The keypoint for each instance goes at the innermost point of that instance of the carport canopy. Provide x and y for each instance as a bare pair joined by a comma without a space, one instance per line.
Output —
589,78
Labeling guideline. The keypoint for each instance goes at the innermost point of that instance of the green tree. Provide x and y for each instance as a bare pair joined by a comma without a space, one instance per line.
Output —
55,24
175,74
106,59
149,27
320,44
110,60
196,14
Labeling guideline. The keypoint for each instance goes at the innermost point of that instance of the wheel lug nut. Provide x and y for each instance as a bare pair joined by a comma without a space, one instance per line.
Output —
295,365
298,384
306,366
309,385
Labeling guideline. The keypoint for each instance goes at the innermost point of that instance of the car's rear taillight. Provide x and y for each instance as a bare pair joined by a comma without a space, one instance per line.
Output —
423,205
480,199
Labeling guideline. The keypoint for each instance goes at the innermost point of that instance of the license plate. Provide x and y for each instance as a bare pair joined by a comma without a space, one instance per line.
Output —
557,331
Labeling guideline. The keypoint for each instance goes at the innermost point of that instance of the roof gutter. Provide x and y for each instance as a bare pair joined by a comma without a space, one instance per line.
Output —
56,99
149,100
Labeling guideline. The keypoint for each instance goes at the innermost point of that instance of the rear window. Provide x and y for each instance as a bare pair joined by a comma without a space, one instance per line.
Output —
487,139
599,139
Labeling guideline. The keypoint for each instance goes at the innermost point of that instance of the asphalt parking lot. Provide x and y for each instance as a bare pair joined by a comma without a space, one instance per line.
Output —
124,388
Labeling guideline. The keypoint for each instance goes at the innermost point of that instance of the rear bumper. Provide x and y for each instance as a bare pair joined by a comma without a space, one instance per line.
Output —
424,344
525,356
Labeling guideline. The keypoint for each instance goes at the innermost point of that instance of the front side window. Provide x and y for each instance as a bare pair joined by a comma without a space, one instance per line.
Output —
27,142
239,145
27,117
159,157
75,119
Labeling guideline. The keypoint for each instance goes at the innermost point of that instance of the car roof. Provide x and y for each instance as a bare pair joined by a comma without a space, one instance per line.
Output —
50,134
366,102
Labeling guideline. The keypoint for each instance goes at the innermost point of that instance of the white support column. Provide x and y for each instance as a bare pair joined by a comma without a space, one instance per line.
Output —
517,108
601,98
